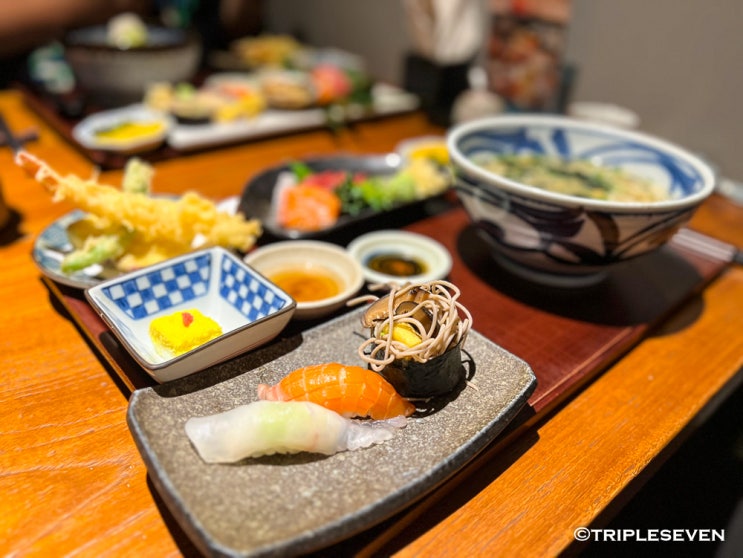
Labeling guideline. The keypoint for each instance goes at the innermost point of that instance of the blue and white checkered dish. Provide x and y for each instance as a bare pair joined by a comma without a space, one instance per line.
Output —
214,281
187,280
162,289
251,296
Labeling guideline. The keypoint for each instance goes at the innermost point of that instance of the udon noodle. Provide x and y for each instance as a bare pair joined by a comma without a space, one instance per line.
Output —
576,177
433,312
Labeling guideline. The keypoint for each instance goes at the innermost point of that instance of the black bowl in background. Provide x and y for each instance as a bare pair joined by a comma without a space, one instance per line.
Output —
111,76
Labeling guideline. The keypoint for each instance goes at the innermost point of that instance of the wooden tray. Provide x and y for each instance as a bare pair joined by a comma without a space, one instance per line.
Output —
568,336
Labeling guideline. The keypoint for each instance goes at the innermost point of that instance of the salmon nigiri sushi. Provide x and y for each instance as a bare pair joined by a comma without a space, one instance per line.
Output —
351,391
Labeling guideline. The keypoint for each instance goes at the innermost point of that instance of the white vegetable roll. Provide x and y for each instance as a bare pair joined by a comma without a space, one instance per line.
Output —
267,427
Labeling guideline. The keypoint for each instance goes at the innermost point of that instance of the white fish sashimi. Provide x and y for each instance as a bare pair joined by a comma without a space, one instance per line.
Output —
267,427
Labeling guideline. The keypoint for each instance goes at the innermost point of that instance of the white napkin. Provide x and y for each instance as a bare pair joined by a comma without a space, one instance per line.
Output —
446,31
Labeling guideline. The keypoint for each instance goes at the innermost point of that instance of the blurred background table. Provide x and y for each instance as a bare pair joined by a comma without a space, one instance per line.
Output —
74,483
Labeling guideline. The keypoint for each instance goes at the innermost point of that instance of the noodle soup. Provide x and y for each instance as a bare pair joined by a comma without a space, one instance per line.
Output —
578,177
543,231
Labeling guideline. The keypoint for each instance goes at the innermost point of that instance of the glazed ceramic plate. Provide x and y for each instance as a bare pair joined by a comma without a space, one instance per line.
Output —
50,248
258,196
290,504
53,243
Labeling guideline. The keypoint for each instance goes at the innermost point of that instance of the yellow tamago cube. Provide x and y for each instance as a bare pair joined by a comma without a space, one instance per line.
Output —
182,331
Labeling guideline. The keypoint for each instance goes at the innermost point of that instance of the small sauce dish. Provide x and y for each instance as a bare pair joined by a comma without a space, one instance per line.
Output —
129,130
319,276
392,256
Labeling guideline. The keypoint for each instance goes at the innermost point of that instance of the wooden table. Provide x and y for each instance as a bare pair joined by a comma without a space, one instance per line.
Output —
73,482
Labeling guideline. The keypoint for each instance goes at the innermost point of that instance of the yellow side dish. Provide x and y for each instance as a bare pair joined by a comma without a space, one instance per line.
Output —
182,331
130,130
435,151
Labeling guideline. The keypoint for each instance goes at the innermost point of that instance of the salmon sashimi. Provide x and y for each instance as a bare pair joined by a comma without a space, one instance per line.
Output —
308,208
348,390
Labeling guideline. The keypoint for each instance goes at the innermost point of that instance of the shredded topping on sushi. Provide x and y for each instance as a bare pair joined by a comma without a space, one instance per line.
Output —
418,322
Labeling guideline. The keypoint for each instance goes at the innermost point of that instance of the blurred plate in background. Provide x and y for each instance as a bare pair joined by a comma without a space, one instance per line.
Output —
258,197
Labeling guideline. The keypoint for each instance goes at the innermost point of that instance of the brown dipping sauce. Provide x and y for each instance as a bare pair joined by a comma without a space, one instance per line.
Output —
394,264
307,285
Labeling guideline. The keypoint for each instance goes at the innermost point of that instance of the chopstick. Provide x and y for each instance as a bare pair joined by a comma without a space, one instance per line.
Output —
10,139
707,246
15,142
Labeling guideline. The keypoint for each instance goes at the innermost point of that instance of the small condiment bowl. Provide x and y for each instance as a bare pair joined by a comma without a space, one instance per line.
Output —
155,128
398,252
249,309
312,263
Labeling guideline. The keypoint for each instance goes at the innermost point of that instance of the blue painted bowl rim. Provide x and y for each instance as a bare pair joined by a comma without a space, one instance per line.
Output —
458,132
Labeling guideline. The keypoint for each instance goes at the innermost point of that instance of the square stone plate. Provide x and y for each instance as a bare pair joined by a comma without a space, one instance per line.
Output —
291,504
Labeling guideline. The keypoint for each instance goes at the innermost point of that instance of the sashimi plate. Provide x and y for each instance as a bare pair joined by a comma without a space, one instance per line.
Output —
258,198
292,504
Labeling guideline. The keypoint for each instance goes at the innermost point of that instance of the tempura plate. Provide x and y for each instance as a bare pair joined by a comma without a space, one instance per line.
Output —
290,504
51,246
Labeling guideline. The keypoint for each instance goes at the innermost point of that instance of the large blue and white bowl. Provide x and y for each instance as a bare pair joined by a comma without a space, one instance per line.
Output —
562,239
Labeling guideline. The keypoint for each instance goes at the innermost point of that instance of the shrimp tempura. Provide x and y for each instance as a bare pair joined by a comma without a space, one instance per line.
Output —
177,222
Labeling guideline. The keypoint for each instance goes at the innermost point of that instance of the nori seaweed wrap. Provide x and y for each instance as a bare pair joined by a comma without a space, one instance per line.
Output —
437,376
416,337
